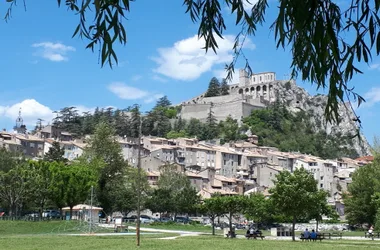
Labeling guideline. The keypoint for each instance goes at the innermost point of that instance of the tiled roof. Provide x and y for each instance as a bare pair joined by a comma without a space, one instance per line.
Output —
365,158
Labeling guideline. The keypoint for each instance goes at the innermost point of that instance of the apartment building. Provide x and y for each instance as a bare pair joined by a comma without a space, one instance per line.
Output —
72,149
8,141
323,171
31,146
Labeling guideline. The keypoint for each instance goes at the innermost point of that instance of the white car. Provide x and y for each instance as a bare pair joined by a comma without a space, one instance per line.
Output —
145,219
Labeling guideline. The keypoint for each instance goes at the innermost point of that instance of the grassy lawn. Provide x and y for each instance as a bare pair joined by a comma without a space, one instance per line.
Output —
185,243
37,227
15,235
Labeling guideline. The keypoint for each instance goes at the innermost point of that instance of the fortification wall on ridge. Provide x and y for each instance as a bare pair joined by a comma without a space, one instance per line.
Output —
236,109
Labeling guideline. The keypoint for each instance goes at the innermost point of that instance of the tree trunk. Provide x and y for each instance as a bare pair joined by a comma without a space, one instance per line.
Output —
213,224
230,220
316,227
41,211
71,212
10,211
293,228
60,213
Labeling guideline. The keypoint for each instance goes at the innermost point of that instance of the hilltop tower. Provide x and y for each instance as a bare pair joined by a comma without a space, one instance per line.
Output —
20,128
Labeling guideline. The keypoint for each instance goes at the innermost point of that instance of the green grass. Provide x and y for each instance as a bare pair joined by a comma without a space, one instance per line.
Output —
20,235
185,243
37,227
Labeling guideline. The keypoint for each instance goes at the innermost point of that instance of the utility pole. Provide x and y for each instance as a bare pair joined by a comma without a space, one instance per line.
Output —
138,183
90,224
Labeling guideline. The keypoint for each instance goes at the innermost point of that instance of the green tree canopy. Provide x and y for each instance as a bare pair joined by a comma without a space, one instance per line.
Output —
163,102
293,194
78,177
360,202
233,205
213,208
259,208
213,88
277,127
55,153
183,197
104,148
224,88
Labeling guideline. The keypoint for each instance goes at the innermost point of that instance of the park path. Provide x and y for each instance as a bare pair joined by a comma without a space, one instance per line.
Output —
181,233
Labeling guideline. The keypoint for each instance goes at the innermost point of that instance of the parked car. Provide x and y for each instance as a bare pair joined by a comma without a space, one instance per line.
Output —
164,219
132,218
53,214
184,220
145,219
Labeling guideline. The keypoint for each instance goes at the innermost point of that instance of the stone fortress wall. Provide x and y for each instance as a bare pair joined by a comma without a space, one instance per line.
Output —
250,93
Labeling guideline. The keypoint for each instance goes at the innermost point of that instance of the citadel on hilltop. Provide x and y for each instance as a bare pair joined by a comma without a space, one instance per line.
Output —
250,93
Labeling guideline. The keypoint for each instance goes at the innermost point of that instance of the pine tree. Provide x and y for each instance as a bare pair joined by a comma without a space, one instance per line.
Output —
224,89
213,88
134,120
163,102
55,153
211,126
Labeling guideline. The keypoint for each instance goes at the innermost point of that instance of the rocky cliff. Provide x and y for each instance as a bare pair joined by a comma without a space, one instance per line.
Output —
297,98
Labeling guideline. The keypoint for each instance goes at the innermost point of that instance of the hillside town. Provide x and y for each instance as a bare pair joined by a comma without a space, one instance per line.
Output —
235,168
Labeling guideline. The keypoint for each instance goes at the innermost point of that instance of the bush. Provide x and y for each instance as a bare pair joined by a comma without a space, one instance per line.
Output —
194,223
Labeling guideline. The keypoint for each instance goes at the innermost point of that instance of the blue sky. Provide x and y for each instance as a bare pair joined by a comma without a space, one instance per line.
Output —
43,69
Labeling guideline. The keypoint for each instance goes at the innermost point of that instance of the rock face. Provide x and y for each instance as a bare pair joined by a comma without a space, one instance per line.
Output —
258,91
297,98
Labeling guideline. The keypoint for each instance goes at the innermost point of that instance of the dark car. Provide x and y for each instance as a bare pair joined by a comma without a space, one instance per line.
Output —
164,219
132,218
53,214
184,220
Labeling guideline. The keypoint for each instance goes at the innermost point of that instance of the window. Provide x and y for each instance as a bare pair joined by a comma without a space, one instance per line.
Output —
270,174
321,185
260,78
225,162
31,145
321,178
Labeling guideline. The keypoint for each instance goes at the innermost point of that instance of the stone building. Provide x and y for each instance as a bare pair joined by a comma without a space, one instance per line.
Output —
323,171
250,93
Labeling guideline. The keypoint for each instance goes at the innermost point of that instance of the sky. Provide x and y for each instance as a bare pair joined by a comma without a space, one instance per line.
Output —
43,69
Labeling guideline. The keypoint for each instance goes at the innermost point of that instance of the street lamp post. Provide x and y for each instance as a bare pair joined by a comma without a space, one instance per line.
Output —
138,184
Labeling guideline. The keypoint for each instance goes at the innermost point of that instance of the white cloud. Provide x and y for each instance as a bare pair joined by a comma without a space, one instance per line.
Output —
31,110
248,4
159,79
374,66
372,97
153,98
135,78
187,61
222,73
55,52
83,109
126,92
